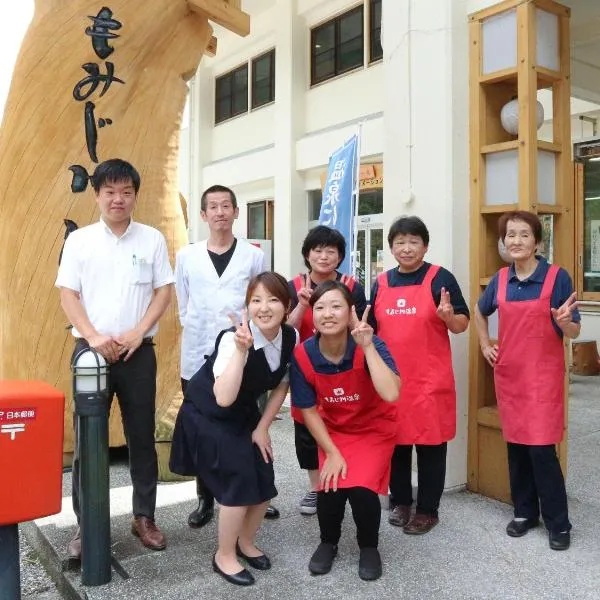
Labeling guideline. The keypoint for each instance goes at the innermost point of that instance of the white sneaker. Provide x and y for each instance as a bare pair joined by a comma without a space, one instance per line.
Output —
308,504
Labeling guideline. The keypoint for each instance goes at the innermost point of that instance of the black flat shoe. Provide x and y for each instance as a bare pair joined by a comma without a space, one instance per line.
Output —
322,560
519,528
272,513
369,564
559,541
261,562
244,577
203,514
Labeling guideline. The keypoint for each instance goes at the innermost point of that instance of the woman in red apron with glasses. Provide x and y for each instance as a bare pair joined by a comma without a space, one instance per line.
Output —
345,382
536,309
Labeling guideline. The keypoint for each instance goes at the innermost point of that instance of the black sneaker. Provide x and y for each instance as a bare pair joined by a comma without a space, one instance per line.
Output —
321,561
519,528
369,565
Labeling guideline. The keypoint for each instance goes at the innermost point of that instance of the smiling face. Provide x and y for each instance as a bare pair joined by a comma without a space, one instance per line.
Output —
220,212
323,260
331,314
266,311
116,200
519,240
409,251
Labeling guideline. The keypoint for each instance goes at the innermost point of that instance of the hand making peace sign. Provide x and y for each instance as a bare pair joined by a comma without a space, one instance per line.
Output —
242,336
361,331
564,314
445,310
305,292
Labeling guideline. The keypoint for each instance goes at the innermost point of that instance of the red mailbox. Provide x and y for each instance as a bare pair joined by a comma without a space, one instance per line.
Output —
31,445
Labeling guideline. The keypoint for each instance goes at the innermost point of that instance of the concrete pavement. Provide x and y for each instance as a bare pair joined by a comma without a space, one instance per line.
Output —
467,556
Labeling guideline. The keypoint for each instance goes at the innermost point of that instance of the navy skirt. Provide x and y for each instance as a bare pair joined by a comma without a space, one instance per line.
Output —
223,456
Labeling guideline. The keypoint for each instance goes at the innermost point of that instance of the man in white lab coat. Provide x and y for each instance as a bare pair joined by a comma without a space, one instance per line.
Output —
211,278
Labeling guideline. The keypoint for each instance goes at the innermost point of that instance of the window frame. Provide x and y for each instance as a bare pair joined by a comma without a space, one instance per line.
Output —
231,76
253,102
336,22
373,29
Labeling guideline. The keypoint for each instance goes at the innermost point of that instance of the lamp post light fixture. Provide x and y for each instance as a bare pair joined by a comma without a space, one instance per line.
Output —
91,395
509,116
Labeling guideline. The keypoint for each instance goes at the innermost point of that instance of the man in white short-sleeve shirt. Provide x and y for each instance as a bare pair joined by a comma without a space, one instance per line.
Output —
115,283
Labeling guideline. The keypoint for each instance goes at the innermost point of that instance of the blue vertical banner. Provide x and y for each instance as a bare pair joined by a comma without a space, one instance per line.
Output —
337,208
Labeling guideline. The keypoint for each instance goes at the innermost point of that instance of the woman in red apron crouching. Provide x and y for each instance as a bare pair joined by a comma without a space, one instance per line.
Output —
536,308
415,305
345,382
323,251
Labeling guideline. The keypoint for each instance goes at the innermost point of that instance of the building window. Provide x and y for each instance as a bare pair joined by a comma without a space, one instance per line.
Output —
337,46
263,79
376,50
260,220
231,94
315,197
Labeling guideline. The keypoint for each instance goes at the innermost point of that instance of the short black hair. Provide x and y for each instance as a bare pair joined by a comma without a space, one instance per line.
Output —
322,236
408,226
115,170
329,286
215,189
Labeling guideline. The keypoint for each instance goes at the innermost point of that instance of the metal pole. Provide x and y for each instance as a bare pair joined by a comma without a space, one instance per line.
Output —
10,575
92,414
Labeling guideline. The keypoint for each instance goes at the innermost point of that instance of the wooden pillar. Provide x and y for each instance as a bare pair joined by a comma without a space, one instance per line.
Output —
516,26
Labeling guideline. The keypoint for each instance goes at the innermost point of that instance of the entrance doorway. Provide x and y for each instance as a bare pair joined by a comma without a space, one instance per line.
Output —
369,250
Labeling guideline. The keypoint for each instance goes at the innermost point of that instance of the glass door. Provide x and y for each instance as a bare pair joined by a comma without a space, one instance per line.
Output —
369,253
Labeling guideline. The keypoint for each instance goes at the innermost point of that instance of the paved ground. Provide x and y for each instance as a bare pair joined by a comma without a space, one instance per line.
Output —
468,556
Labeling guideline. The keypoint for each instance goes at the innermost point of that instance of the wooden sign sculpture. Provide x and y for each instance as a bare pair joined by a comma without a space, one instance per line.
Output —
94,80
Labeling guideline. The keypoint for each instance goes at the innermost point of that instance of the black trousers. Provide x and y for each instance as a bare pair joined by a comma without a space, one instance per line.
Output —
366,510
537,485
431,467
201,489
134,383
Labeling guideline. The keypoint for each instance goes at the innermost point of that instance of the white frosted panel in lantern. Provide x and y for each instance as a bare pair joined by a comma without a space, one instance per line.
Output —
501,178
546,177
547,40
493,325
499,42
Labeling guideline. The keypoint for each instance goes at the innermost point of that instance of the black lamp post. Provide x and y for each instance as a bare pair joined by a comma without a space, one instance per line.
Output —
91,394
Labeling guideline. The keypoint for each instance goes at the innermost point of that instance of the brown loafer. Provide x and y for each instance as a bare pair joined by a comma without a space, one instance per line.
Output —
420,524
74,546
399,516
150,535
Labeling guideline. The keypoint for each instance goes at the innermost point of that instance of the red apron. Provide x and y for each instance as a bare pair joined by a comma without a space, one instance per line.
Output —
307,329
418,339
359,422
530,370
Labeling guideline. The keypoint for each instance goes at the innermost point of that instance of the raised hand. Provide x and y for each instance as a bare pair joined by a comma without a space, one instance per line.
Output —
361,331
564,314
445,310
243,336
305,292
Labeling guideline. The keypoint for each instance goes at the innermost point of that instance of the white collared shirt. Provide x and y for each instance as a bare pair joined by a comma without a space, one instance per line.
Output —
272,350
115,276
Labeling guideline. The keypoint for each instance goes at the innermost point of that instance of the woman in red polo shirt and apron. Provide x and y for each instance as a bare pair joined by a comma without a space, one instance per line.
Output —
346,385
415,305
536,308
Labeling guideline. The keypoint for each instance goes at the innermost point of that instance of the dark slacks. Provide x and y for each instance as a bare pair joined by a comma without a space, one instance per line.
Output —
134,383
366,510
431,467
537,485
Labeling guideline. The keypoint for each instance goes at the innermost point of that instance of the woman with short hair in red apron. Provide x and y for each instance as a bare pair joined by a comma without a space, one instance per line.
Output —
415,305
536,309
345,382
